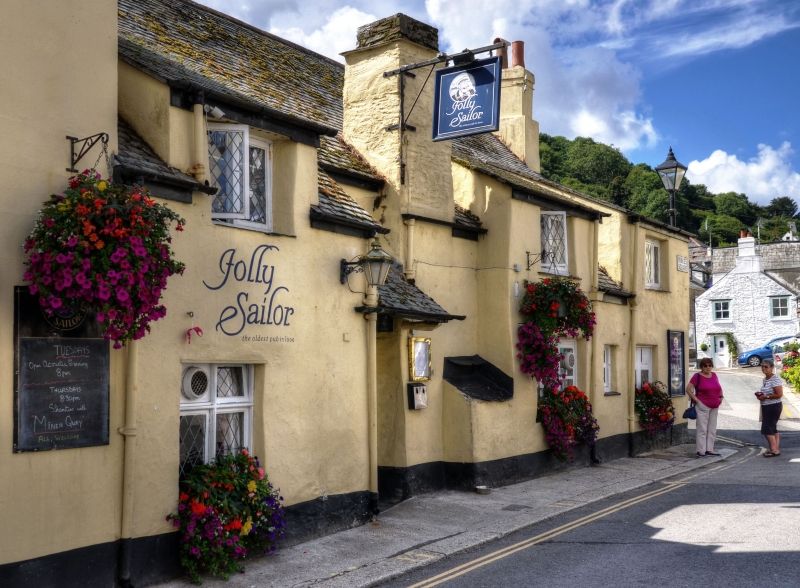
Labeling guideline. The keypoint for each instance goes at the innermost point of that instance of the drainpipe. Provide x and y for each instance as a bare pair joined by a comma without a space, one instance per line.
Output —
128,432
633,326
593,289
200,151
371,301
409,272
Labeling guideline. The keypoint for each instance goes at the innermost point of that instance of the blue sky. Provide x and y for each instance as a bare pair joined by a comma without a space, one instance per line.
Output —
716,79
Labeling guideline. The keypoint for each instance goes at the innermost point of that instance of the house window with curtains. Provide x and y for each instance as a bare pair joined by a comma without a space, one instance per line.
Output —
554,243
240,167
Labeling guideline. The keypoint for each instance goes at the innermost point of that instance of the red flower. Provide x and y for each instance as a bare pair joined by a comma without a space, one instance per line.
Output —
183,497
198,508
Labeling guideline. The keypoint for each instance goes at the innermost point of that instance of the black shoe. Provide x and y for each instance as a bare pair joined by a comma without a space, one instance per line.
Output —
700,454
712,454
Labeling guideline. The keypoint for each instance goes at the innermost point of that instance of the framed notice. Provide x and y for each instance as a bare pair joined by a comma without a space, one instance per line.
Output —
419,359
675,344
467,99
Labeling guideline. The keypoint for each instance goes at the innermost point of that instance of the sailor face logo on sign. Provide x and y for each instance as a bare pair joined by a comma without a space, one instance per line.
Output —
462,87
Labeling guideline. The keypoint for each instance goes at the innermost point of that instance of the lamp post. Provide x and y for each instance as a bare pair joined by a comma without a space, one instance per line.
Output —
671,172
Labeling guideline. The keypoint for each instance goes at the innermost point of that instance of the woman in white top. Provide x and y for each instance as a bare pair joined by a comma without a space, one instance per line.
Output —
770,396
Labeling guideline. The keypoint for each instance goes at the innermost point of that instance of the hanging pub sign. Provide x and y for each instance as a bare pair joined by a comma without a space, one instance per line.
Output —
467,99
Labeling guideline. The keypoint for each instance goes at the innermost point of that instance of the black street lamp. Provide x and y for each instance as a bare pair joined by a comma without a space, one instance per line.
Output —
671,172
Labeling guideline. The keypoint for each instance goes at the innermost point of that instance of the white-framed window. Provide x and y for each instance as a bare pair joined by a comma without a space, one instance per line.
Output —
652,264
555,258
568,368
216,412
644,364
721,310
779,307
240,167
608,369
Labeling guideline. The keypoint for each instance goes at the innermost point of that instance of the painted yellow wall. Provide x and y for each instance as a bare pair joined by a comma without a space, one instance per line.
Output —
51,85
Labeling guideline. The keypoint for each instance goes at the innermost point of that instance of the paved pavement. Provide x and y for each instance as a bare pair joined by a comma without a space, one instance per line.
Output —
433,526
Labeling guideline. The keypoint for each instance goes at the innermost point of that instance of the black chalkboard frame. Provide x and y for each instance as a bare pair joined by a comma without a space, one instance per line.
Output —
30,323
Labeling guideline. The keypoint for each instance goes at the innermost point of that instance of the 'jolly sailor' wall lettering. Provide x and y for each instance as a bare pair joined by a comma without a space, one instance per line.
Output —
263,303
467,99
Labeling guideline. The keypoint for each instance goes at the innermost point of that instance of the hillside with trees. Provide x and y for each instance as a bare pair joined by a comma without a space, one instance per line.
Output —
605,173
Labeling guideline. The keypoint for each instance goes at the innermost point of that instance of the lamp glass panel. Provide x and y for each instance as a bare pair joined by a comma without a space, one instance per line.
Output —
668,177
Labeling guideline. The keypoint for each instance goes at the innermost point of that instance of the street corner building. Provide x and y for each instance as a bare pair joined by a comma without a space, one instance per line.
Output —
350,303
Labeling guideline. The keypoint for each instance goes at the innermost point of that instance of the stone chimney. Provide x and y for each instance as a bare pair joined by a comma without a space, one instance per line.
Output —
747,260
418,171
518,130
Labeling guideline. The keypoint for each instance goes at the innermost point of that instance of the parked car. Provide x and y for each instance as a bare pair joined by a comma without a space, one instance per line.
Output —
754,357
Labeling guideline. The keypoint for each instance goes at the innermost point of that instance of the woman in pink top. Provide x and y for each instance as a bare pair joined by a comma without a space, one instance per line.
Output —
706,392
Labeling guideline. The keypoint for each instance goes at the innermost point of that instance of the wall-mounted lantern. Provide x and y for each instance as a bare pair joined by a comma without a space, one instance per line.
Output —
375,265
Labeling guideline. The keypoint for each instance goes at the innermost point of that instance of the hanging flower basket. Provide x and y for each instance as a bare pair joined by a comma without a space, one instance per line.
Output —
103,248
553,308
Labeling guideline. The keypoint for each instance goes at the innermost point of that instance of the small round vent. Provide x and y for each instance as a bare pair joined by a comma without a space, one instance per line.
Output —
195,383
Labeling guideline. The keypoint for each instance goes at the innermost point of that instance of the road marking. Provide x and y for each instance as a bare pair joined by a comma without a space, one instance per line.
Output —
531,541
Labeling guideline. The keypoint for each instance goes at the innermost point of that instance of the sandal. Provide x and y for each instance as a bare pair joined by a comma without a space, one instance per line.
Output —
771,454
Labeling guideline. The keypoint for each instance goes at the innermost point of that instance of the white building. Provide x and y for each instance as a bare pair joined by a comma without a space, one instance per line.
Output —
752,300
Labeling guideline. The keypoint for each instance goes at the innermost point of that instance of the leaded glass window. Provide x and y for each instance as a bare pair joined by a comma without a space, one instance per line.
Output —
652,264
240,168
218,419
554,242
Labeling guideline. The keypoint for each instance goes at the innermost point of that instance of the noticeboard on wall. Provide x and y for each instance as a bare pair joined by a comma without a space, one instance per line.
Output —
675,364
61,379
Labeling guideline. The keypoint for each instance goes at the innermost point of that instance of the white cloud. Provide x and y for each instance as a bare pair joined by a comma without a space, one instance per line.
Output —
586,54
336,35
762,178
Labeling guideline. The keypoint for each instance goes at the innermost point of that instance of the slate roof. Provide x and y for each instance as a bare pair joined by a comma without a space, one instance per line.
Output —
398,297
789,278
606,283
487,154
464,218
138,158
336,154
214,50
336,204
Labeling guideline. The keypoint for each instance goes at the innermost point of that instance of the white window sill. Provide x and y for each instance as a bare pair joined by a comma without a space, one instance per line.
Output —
255,229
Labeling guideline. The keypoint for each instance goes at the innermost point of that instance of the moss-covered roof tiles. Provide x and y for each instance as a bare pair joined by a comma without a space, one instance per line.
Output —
248,62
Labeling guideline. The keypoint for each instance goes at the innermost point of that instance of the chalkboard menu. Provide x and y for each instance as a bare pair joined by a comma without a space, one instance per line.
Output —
62,393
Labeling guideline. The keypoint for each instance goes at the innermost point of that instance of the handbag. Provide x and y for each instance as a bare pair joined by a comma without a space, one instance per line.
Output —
690,412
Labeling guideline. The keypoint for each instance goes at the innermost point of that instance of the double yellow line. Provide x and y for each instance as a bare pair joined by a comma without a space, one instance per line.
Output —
530,542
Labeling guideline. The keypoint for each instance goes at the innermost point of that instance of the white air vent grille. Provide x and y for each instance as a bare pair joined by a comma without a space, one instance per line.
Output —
195,383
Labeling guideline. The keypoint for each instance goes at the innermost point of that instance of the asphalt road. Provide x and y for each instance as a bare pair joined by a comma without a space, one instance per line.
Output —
733,523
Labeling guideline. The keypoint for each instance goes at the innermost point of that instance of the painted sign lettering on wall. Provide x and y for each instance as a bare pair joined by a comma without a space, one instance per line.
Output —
467,99
260,300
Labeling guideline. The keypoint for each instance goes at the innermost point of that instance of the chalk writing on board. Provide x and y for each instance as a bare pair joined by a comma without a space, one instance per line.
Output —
62,395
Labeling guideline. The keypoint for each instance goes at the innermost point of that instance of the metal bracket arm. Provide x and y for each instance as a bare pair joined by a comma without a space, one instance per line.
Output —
85,145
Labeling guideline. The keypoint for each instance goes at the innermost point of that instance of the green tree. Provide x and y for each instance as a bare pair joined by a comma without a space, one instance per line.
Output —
735,205
553,156
595,163
782,206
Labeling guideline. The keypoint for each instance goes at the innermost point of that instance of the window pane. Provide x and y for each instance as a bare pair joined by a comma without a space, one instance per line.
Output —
192,441
230,432
554,241
258,185
229,382
226,159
